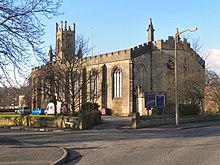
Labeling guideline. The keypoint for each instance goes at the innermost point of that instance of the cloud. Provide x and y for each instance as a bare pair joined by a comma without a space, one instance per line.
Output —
213,60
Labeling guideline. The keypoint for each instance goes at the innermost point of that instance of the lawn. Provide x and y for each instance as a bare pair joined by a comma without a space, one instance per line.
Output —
19,115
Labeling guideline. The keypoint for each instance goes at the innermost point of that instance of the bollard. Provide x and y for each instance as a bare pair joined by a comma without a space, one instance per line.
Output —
136,120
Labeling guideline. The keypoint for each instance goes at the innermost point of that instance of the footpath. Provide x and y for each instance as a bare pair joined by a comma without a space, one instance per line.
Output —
18,153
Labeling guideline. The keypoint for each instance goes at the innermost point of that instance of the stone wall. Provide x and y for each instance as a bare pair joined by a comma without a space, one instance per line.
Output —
82,122
121,59
152,73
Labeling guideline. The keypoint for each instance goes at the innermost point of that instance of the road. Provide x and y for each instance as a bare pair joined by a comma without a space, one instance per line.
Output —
107,144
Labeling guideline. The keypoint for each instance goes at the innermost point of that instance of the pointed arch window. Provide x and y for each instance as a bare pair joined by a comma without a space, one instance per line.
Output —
141,76
60,85
84,85
117,77
104,87
94,84
76,86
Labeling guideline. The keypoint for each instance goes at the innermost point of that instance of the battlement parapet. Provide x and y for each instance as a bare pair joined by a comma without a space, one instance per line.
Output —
170,44
108,57
38,68
61,28
153,46
182,45
167,44
141,49
43,66
35,68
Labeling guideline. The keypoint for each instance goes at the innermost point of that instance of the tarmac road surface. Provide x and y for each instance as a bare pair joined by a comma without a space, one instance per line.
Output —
113,142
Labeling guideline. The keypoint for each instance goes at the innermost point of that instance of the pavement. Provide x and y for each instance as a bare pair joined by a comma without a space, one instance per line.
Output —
18,153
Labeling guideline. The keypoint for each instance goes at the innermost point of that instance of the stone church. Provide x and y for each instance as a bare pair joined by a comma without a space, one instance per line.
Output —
126,77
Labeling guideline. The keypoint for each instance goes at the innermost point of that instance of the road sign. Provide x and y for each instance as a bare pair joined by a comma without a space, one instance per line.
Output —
155,100
160,101
149,100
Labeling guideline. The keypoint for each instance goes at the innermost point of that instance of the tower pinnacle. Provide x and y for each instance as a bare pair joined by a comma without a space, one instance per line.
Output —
65,42
50,54
150,31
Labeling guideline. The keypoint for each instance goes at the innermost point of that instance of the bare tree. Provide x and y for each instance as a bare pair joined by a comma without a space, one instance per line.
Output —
191,79
212,88
196,44
9,97
21,31
70,80
191,87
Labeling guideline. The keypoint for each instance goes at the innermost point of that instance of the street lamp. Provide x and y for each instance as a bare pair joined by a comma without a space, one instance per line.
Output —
177,34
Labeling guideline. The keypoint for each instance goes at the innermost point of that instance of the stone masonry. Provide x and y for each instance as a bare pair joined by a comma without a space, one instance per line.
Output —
149,66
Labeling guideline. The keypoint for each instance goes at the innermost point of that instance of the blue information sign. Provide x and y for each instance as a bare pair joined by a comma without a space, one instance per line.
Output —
160,101
149,100
155,100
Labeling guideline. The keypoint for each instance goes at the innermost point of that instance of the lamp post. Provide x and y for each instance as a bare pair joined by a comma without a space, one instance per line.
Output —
177,34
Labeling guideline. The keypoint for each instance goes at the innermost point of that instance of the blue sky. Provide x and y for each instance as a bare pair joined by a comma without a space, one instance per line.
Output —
122,24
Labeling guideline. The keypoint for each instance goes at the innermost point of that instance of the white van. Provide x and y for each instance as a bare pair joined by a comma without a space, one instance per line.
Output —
50,110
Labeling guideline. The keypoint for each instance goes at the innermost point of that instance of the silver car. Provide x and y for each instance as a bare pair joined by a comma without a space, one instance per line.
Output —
23,110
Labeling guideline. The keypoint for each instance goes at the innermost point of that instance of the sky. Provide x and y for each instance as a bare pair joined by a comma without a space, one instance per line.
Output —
112,25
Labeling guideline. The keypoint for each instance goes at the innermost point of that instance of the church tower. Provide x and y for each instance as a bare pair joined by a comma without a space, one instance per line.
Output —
150,31
65,42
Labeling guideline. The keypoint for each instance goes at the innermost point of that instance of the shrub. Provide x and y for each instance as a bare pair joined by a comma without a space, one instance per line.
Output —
156,111
96,117
169,109
91,113
189,109
88,106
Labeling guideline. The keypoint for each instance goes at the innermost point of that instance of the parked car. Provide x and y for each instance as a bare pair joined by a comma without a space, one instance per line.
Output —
23,110
37,111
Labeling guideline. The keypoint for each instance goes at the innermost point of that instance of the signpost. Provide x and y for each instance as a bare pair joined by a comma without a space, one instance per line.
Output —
155,100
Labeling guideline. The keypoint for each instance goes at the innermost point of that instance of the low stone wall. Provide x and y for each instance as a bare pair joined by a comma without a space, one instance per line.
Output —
147,121
84,120
38,121
15,121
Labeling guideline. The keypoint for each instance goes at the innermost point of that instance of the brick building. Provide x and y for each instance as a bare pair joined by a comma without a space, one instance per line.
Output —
122,77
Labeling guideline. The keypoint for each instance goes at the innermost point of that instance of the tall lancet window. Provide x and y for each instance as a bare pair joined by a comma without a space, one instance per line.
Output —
76,86
117,79
94,84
